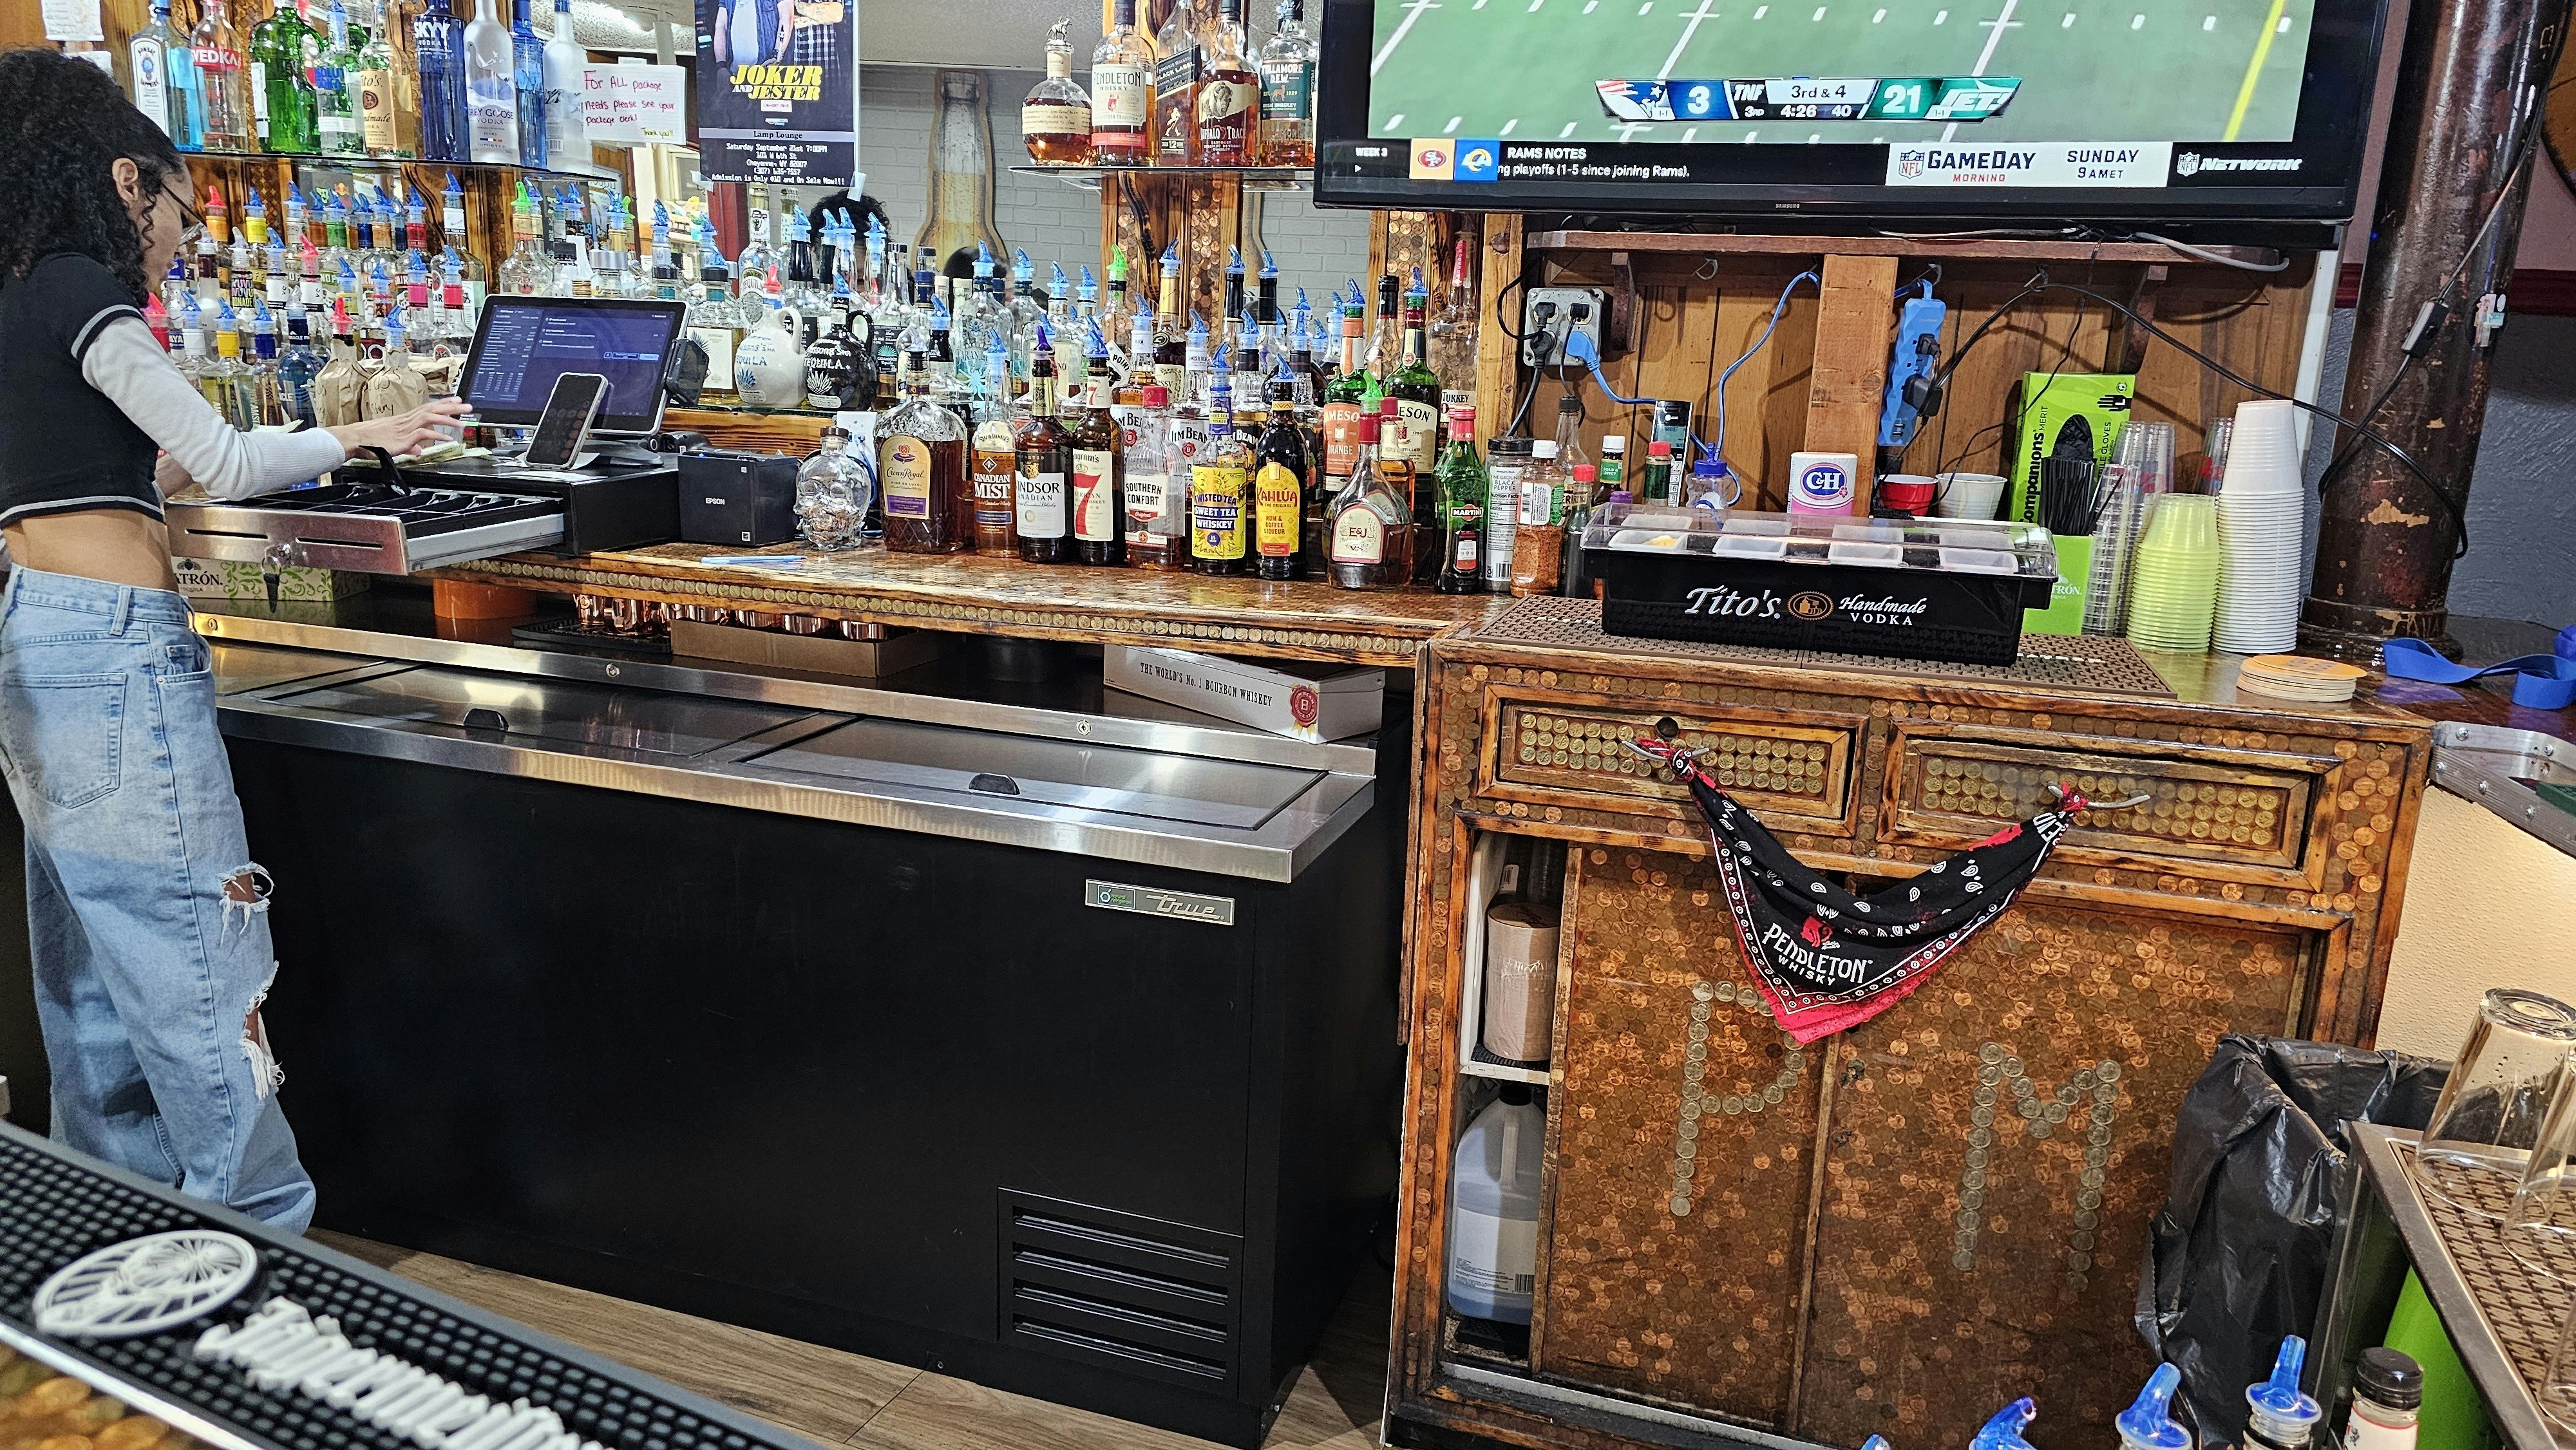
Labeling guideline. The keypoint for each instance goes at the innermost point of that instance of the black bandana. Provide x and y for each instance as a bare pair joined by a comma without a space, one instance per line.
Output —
1827,959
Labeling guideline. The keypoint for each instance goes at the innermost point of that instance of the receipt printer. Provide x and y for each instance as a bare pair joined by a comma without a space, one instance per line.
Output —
729,496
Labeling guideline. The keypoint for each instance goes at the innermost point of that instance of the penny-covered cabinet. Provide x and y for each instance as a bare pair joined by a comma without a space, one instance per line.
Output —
1896,1229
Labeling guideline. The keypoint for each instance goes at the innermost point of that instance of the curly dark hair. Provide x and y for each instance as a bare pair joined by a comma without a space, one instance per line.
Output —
63,123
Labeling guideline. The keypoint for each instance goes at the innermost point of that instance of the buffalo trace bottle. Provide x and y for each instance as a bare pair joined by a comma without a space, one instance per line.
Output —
1099,472
1282,469
1220,485
1044,455
1229,98
921,465
1369,529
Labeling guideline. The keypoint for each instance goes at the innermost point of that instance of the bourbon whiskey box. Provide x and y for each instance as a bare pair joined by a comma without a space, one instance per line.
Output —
1284,697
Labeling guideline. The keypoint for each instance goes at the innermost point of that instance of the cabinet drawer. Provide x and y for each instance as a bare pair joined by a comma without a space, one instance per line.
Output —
2245,814
1793,770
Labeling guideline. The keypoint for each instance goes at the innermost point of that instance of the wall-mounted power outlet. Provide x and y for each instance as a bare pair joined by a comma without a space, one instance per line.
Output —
1551,313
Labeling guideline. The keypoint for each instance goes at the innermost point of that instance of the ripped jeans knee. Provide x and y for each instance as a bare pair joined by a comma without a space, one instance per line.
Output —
246,894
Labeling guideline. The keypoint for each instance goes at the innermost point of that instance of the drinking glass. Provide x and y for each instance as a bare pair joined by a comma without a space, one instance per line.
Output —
2545,1200
2502,1087
2557,1388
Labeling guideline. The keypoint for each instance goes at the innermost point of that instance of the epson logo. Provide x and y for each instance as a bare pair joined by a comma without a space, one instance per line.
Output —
2192,163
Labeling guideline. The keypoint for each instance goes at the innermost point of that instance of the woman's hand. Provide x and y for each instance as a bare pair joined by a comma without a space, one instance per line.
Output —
431,423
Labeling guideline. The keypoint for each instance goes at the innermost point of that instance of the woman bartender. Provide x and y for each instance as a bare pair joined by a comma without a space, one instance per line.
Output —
145,911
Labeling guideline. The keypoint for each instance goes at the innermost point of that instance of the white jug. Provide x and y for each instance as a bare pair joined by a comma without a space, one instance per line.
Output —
769,366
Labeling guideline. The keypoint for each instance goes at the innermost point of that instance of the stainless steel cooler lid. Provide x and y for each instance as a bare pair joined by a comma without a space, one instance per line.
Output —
1122,780
567,712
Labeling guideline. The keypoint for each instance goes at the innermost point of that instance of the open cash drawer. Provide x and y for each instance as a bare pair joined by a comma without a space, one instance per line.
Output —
371,527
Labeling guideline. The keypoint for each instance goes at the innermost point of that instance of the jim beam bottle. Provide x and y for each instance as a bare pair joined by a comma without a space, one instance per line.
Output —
1229,98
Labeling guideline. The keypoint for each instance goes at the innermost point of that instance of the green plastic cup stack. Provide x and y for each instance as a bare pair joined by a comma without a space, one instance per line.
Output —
2173,586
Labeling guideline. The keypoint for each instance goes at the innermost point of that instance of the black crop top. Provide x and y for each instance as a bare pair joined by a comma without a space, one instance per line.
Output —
63,444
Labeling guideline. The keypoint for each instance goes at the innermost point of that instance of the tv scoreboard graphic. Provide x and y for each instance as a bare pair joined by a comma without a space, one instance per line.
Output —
1802,98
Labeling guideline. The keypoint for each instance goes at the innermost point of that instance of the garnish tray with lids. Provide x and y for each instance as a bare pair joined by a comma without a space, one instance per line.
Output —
1929,589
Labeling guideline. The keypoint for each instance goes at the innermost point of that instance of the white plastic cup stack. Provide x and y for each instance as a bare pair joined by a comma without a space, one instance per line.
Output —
2260,517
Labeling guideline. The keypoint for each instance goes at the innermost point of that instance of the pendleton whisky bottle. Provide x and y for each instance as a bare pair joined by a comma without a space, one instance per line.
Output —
1122,91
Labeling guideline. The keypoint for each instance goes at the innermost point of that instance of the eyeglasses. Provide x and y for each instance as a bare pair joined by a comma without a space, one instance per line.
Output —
195,220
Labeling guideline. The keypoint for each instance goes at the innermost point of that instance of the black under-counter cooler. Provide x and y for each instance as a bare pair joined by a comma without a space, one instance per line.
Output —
1927,589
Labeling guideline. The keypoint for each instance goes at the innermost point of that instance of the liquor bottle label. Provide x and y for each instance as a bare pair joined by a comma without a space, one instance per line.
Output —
1118,103
996,477
216,57
1278,513
1041,505
151,81
1176,73
905,468
1170,377
259,96
1189,439
1418,429
1222,100
1342,433
1287,90
1359,537
1145,501
1095,495
1216,511
1053,118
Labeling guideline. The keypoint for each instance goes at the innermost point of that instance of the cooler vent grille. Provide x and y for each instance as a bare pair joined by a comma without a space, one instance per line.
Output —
1144,1296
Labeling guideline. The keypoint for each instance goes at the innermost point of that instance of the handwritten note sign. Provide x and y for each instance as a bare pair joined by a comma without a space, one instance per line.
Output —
635,105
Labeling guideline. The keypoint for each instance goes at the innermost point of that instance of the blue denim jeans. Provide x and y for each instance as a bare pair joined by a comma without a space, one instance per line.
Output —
147,916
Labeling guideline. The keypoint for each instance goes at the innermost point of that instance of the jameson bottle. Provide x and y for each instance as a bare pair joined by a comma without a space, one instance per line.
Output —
1282,469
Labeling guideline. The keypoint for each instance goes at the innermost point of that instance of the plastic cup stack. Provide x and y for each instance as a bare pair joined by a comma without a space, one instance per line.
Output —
2260,517
2173,585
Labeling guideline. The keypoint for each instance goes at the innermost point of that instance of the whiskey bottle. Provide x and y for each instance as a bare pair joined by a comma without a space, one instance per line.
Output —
1279,488
1229,97
1177,69
1099,465
1122,91
1288,91
1416,389
1043,458
995,459
1157,488
1171,343
921,465
1220,486
1055,119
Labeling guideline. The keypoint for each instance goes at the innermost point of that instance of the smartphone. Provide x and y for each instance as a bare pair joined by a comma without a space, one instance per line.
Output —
570,410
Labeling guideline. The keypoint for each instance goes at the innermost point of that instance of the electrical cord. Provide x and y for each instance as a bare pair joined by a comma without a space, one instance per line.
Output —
1718,449
2206,255
2030,399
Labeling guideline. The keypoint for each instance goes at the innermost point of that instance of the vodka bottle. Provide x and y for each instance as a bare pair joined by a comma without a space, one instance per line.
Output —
223,81
438,43
491,92
528,74
567,132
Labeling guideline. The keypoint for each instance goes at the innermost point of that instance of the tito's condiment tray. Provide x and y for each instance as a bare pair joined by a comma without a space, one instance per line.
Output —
1931,589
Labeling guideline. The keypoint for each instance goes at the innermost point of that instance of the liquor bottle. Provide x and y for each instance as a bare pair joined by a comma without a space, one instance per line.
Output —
271,80
921,465
1055,119
227,383
491,92
994,458
269,406
1140,357
1157,510
1229,98
567,130
1069,350
713,322
529,272
1043,462
298,363
961,177
1171,345
454,235
148,57
379,100
335,103
1220,486
1279,488
223,86
438,49
1462,490
1288,90
1384,344
1370,525
1350,403
1416,389
1122,91
1399,473
832,495
1098,446
1453,331
528,76
1177,68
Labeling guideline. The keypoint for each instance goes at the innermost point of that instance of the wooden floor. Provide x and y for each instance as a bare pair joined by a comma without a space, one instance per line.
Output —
840,1398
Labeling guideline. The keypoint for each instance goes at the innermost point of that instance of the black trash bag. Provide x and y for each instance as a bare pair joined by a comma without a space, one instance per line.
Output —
2236,1258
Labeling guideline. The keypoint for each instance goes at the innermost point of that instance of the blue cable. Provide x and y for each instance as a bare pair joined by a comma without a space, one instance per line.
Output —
1777,308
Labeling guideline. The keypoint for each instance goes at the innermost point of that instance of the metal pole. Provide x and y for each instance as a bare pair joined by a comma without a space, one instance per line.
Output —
2384,541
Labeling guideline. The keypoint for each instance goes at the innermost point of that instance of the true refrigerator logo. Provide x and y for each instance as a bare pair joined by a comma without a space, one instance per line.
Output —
1146,901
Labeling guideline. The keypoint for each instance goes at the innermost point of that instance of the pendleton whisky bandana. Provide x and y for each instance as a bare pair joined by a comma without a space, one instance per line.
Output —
1827,959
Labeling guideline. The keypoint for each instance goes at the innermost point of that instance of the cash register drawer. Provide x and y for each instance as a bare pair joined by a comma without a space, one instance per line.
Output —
373,528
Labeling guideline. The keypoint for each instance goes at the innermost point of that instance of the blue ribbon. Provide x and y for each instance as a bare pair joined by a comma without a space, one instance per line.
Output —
2540,682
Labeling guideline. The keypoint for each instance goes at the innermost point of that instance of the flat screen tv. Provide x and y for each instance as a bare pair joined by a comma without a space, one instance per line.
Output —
2213,119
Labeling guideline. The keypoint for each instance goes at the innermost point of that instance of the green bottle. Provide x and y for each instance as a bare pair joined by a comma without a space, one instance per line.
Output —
1463,488
281,96
1414,386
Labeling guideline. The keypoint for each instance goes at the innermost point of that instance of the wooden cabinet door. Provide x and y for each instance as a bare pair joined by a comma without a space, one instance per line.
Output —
1998,1142
1684,1135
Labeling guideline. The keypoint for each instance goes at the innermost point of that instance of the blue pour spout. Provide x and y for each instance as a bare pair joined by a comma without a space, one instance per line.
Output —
2282,1415
2003,1431
2149,1424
